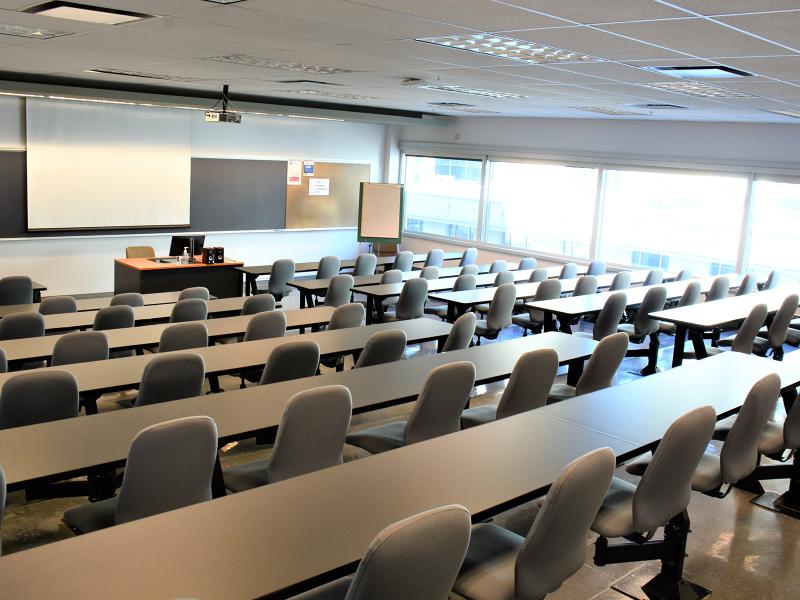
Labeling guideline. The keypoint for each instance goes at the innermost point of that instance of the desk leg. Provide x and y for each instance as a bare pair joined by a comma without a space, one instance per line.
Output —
549,321
370,308
564,325
574,371
451,312
102,483
251,284
680,341
699,346
302,299
440,344
379,309
652,355
217,482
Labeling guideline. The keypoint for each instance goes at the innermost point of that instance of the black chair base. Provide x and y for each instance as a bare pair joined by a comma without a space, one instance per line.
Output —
787,504
651,352
663,588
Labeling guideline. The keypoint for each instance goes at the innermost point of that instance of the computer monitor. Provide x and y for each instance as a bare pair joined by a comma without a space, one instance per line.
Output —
179,242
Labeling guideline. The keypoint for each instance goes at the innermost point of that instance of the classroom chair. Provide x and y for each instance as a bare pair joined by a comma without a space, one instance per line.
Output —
435,258
195,292
774,337
132,299
600,369
429,273
773,281
183,336
119,316
16,289
538,275
608,318
365,265
382,347
585,286
748,285
140,252
502,278
498,266
533,321
189,309
293,360
404,261
621,281
79,347
719,289
529,262
263,326
460,336
654,277
57,305
468,257
411,303
21,325
38,397
347,315
691,295
498,317
461,284
469,270
339,290
258,304
281,274
683,275
596,267
644,325
171,377
744,339
569,271
329,266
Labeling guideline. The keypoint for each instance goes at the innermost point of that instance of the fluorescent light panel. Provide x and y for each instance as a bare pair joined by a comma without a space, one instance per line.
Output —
141,75
327,94
36,33
699,90
715,72
508,48
84,12
608,111
457,89
268,63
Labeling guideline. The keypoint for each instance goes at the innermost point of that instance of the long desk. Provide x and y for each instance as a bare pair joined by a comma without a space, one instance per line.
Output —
134,338
148,275
92,303
315,527
707,316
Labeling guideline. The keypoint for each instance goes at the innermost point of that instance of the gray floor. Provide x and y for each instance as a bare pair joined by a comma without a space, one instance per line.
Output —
736,549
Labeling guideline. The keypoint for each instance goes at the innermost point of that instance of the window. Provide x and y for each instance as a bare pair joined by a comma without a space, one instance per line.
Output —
775,226
673,220
548,208
443,196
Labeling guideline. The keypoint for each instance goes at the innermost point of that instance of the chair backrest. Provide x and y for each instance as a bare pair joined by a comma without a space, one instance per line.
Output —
653,301
460,336
748,285
3,362
603,364
170,465
348,315
691,295
435,258
57,305
683,275
596,267
501,307
382,347
404,261
258,304
654,277
140,252
719,289
411,303
118,316
431,272
365,265
773,279
538,275
418,557
38,397
569,271
780,322
195,292
498,266
530,383
339,290
621,281
280,275
80,346
555,546
549,289
392,276
585,286
127,299
529,262
666,486
2,504
503,277
469,270
183,336
610,315
266,325
464,283
311,433
328,267
743,341
739,454
16,289
469,257
292,360
191,309
21,325
171,377
438,408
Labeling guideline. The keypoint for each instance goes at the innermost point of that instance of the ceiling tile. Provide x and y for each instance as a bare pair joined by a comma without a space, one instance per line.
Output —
783,28
715,7
607,11
786,68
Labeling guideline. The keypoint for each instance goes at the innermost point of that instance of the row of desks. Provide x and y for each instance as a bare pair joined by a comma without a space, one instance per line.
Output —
85,304
278,539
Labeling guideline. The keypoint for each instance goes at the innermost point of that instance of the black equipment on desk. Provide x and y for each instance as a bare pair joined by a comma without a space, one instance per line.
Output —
192,242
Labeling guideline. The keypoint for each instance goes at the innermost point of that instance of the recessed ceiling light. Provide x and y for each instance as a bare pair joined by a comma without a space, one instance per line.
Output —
715,72
37,33
795,114
608,111
700,90
141,75
508,48
268,63
329,94
85,12
457,89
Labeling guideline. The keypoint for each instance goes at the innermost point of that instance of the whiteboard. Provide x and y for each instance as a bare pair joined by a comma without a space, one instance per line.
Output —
380,212
96,166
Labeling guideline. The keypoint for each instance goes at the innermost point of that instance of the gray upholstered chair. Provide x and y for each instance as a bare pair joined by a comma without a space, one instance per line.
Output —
683,275
659,500
461,284
119,316
777,438
549,289
498,266
720,288
195,292
429,273
471,269
347,315
469,257
281,274
569,271
382,347
171,377
417,558
38,397
411,303
773,280
596,267
263,326
501,278
132,299
328,267
292,360
502,564
392,276
140,252
2,504
621,281
16,289
744,339
339,290
527,389
79,347
57,305
539,275
643,325
170,465
190,309
748,285
21,325
654,277
529,262
258,304
774,337
404,261
585,286
436,412
435,258
460,336
691,295
498,316
365,265
310,437
183,336
3,362
608,318
600,369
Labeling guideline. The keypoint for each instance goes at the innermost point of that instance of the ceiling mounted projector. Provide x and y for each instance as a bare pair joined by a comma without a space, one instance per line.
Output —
225,115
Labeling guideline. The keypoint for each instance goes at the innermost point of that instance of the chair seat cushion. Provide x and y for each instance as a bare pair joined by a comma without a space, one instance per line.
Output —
726,342
526,322
478,415
439,311
335,590
668,328
723,427
708,475
481,308
560,391
488,569
761,346
793,337
381,438
482,328
93,516
629,328
688,351
615,517
772,441
247,476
